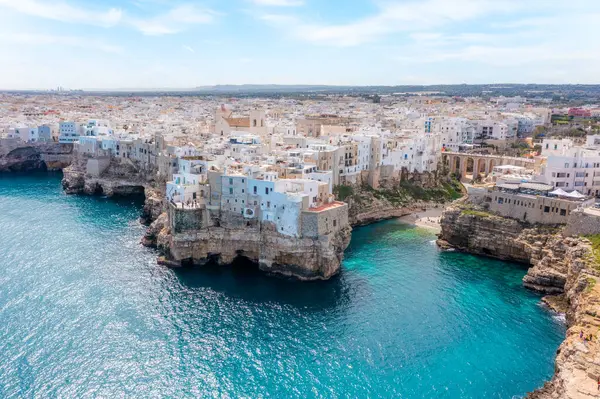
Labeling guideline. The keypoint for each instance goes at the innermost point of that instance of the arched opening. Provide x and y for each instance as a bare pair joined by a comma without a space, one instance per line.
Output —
480,168
455,164
491,166
470,166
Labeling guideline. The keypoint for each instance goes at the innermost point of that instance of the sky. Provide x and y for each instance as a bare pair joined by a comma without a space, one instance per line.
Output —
111,44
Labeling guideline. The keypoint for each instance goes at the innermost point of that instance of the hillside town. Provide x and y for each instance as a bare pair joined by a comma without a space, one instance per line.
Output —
271,159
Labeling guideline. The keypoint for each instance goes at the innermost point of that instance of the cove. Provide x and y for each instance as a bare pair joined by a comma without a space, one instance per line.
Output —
85,311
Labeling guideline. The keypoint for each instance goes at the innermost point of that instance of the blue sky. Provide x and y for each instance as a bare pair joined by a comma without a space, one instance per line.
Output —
180,44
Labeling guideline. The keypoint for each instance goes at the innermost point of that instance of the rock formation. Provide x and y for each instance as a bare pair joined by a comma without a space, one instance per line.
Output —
302,258
115,180
560,265
397,197
26,158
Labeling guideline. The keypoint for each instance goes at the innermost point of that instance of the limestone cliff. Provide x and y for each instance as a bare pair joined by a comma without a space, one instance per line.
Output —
25,158
154,204
115,180
397,197
302,258
560,265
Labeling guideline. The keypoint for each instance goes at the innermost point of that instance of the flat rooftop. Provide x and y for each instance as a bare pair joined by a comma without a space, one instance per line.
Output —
326,207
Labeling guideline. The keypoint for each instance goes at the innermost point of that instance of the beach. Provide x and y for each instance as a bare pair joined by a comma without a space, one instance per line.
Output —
429,218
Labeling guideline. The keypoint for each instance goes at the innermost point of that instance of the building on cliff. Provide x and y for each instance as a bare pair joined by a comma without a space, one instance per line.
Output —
530,202
288,226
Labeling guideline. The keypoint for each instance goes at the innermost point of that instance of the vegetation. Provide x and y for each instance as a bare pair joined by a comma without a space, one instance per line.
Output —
595,240
403,194
477,213
407,192
591,282
342,192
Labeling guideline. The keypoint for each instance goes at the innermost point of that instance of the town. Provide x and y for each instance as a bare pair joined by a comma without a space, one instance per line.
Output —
271,159
281,181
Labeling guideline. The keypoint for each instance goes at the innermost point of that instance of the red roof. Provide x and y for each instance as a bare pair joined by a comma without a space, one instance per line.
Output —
325,207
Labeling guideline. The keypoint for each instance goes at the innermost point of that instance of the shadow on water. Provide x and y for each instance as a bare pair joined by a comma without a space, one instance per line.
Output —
243,280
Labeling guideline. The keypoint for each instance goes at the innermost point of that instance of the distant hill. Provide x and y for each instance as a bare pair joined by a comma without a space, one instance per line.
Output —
583,92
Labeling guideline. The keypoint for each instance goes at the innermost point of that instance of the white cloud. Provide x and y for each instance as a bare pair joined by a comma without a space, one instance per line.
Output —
69,41
60,11
278,3
392,17
188,48
174,21
414,16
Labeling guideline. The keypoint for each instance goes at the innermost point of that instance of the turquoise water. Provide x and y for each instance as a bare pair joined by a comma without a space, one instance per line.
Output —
86,312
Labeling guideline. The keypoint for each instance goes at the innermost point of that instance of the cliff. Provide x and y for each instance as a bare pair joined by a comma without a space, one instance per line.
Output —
208,235
302,258
397,197
117,179
24,158
561,265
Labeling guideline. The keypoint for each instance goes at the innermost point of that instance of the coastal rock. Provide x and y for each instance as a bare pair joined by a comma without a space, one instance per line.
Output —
22,159
559,265
302,258
154,205
150,238
397,198
485,234
116,180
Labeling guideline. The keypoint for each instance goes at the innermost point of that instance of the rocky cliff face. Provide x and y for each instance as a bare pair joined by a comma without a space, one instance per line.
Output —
154,204
397,197
302,258
39,157
560,265
113,181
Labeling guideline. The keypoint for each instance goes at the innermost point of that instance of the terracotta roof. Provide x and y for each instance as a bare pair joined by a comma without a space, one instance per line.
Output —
238,122
325,207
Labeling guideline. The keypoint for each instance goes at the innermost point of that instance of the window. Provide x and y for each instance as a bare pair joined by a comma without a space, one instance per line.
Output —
266,190
268,204
334,222
254,189
230,190
546,209
563,212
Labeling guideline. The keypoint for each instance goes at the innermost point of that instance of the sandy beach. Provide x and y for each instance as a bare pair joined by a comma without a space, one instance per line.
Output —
429,218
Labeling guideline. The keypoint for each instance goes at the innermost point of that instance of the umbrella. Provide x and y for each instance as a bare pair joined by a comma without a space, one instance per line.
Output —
560,192
575,194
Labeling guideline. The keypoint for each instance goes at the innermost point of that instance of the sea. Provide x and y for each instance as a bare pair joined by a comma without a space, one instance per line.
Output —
86,312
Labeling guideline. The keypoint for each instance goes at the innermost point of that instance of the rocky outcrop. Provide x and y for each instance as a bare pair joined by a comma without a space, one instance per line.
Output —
560,265
115,181
375,210
577,365
22,159
398,198
154,205
155,229
302,258
25,158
